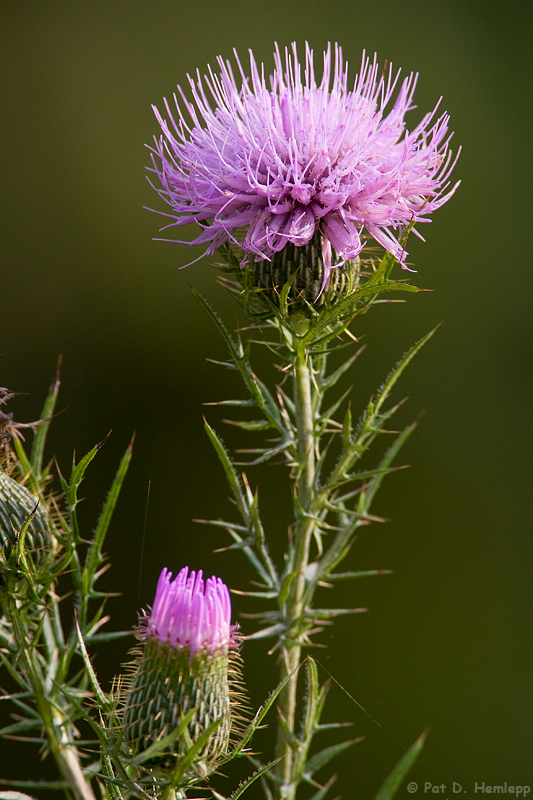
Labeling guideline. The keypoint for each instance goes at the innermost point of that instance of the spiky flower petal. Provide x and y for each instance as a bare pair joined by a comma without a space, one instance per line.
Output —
186,664
190,613
287,160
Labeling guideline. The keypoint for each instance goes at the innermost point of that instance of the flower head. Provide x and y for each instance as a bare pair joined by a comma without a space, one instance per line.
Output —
294,157
17,506
189,612
186,666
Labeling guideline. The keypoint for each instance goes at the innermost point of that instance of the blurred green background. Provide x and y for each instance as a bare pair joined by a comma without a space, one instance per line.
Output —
448,640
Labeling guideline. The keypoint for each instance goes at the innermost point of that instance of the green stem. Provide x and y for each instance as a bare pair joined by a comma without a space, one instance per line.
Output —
59,732
303,532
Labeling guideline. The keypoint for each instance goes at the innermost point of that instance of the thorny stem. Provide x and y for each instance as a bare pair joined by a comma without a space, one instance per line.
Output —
304,527
58,730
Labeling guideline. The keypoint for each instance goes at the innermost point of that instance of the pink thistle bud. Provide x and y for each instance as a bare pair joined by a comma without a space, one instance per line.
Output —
188,663
190,612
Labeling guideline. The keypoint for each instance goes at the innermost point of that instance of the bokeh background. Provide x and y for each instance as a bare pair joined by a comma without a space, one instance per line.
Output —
448,641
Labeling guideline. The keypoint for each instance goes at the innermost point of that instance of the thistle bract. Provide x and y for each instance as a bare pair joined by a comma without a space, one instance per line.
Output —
17,503
186,664
291,158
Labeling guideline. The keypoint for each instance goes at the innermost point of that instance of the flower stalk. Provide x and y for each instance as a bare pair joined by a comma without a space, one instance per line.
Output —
294,606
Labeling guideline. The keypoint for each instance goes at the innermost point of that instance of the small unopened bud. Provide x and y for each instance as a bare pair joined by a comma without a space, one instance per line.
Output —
186,663
16,504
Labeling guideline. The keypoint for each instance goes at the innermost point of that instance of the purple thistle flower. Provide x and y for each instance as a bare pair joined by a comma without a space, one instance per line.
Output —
293,158
189,612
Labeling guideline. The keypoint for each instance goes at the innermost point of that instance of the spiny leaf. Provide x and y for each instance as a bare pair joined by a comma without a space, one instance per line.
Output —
331,613
327,416
384,466
26,785
78,471
333,321
331,380
41,432
393,782
266,632
231,474
25,467
260,715
193,751
285,586
20,727
107,772
324,789
312,709
157,747
322,758
248,782
344,576
253,425
94,555
103,701
257,389
399,368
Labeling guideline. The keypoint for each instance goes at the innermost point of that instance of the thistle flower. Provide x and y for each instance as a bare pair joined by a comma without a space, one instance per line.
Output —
17,503
187,662
285,161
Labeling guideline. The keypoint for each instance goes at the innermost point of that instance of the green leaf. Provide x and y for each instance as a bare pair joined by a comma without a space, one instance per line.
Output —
256,388
393,782
260,715
344,576
333,322
234,480
107,772
193,751
285,586
157,747
284,295
385,465
347,429
253,425
322,792
71,488
313,706
331,380
25,465
78,471
41,432
385,390
20,727
103,702
320,760
34,785
248,782
331,613
94,555
108,637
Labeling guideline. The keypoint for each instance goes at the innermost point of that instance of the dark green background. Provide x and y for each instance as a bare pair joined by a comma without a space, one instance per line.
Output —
448,639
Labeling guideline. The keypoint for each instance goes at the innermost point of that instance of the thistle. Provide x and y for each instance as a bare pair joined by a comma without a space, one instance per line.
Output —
22,513
18,506
298,182
185,670
273,165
